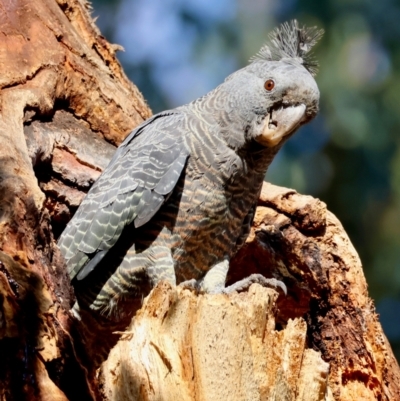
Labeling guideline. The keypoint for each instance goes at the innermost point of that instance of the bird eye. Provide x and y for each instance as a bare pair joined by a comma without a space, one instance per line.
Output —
269,85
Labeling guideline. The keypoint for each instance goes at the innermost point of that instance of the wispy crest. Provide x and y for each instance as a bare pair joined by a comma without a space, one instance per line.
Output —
291,42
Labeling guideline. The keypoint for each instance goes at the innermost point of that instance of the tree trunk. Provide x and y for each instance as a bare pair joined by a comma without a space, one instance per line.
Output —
322,341
65,104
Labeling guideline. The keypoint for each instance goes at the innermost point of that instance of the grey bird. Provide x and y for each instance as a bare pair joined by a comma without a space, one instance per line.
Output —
178,198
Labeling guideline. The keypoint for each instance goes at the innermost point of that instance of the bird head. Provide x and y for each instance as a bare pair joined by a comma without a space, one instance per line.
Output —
276,93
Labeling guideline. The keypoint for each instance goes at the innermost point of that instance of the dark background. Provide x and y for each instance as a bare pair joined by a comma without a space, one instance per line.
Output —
177,50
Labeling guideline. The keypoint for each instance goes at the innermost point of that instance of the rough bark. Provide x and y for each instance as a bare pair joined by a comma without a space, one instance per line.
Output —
322,341
65,104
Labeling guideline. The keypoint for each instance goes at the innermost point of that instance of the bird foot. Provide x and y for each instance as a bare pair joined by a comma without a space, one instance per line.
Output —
192,285
244,284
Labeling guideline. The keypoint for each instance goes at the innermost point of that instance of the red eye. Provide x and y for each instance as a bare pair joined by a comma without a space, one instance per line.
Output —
269,85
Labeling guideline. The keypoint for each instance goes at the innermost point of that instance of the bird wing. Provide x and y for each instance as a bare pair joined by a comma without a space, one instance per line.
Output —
137,181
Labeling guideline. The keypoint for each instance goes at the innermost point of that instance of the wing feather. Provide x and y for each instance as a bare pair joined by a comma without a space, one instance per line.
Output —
133,187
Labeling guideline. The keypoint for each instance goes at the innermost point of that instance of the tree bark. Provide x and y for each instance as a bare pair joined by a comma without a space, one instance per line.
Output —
322,341
65,104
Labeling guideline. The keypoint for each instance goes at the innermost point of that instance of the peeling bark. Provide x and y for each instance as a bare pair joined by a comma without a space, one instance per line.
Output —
322,341
65,104
295,239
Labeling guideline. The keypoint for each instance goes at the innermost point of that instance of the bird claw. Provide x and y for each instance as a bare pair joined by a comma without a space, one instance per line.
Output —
125,335
244,284
192,285
239,286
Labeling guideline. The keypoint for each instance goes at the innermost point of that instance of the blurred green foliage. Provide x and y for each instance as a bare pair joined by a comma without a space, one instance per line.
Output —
176,50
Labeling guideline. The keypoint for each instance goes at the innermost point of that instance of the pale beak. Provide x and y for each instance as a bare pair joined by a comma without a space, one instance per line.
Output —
279,123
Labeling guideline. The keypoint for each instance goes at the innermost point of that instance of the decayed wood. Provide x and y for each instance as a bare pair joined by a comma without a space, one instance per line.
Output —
64,105
322,341
295,239
213,347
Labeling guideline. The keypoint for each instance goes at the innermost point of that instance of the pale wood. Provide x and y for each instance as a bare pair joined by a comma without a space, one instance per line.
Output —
322,341
213,347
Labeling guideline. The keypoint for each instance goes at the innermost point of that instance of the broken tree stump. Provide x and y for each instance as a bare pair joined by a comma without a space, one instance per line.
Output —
322,341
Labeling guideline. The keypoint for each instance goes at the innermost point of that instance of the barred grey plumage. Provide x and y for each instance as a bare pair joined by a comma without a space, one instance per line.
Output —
177,199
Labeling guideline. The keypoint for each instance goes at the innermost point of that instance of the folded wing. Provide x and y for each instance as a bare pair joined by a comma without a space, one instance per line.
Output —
138,180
